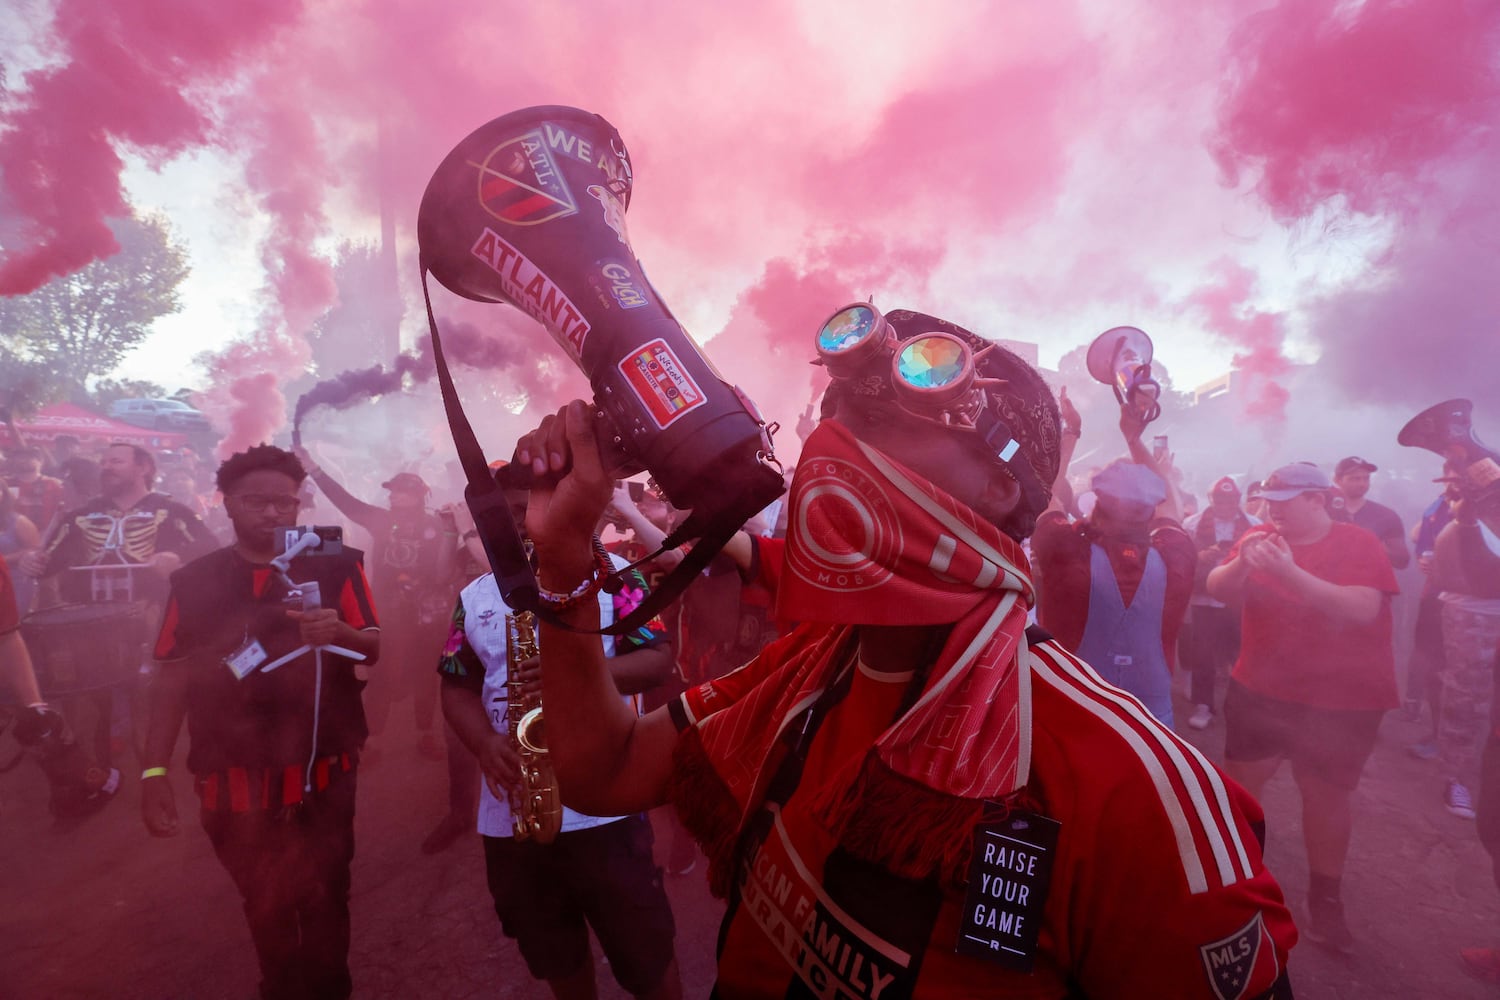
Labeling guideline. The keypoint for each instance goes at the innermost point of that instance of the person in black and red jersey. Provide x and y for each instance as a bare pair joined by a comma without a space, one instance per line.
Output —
413,551
913,794
273,754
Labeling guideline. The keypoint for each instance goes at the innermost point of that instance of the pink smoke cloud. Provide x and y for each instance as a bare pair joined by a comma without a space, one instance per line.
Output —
1331,99
1257,336
1043,186
126,77
1385,108
767,345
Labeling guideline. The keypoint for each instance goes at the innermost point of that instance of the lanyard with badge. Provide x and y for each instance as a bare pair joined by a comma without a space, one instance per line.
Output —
1013,851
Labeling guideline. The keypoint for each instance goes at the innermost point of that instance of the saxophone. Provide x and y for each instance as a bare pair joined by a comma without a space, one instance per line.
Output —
536,808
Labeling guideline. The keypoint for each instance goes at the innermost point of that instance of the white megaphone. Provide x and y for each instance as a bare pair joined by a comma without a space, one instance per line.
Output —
1121,358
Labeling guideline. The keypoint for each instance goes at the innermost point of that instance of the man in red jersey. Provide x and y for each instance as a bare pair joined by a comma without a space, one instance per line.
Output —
1315,671
913,794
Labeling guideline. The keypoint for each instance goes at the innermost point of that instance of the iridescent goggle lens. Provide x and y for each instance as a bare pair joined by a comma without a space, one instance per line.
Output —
852,336
933,369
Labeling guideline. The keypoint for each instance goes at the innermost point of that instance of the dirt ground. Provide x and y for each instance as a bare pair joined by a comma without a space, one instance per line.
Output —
105,910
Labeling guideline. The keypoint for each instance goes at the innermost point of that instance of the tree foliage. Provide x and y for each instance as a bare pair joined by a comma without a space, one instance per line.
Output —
108,390
79,327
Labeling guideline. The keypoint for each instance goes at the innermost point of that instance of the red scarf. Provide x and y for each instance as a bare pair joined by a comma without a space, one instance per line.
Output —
871,542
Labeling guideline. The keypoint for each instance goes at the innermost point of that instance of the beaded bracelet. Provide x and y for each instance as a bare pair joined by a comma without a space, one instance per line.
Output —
603,567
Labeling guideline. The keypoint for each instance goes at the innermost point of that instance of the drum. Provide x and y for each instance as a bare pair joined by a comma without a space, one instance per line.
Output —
77,648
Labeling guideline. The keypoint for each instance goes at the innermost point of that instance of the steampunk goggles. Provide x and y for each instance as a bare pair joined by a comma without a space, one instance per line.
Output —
933,376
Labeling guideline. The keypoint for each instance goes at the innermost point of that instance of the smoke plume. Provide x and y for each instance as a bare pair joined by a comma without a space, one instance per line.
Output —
1310,176
463,344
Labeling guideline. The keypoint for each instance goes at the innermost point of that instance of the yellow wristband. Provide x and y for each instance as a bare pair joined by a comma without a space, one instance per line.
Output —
153,772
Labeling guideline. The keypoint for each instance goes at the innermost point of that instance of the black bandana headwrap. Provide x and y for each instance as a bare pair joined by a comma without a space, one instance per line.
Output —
1024,401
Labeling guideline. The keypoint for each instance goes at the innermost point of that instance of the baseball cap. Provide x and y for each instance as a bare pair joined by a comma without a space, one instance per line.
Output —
1224,487
1123,479
1350,464
1295,479
408,482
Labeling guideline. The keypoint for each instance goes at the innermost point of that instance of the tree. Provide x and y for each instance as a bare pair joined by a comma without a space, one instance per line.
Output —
108,390
25,386
80,326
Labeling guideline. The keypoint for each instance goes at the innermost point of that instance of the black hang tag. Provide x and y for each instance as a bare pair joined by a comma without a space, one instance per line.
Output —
1009,877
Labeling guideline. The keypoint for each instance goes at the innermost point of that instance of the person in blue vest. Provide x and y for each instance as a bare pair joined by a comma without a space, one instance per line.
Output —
1115,586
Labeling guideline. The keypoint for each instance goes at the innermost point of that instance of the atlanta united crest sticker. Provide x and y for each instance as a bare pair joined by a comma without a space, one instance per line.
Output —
1230,962
520,185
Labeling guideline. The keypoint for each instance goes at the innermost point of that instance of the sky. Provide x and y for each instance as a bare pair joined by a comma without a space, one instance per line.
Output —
1254,184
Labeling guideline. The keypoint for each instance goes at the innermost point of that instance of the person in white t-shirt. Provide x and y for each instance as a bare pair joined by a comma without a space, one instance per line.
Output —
599,872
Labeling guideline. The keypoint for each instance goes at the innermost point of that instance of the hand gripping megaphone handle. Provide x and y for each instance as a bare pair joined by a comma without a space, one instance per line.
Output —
617,462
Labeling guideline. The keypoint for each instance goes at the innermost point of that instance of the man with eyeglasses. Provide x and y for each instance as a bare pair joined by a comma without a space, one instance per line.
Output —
1315,671
273,747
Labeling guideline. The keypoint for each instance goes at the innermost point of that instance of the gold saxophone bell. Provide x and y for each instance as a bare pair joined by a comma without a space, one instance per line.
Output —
536,810
531,732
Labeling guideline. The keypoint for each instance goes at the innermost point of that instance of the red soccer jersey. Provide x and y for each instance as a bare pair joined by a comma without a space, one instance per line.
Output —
1297,653
1060,554
1158,887
10,614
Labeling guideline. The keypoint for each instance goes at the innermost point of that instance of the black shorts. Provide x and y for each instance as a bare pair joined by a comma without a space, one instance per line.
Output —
1330,744
547,897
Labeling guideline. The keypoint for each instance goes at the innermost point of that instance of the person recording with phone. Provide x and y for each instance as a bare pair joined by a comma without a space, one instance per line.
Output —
256,656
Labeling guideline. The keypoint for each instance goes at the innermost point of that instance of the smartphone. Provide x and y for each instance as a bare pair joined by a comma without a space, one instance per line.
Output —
637,491
1159,445
331,544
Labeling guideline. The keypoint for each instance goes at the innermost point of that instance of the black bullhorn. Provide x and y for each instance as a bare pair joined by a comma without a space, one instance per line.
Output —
529,210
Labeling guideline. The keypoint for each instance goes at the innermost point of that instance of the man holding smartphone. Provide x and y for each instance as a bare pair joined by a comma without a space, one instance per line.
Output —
273,747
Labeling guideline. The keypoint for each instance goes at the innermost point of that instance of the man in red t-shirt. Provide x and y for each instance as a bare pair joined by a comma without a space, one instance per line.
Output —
1315,672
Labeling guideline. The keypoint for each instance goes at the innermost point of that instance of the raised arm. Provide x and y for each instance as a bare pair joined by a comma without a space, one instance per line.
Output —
1132,427
608,760
367,516
1072,429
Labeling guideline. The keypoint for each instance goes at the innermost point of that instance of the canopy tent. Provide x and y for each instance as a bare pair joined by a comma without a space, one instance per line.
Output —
65,418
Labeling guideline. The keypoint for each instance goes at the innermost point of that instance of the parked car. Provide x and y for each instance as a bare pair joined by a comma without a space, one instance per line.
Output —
159,414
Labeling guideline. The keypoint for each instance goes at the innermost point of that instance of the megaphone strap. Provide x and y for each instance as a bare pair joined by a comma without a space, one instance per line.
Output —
501,538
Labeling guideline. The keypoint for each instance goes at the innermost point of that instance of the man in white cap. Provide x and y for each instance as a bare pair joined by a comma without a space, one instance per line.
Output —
1315,671
1211,634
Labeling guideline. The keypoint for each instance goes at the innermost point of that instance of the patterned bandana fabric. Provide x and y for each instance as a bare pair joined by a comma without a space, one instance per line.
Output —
871,542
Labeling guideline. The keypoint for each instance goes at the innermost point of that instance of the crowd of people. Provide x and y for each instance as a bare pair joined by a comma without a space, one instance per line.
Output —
926,697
